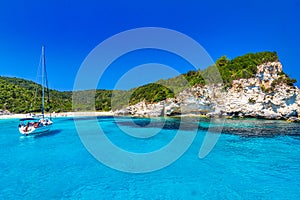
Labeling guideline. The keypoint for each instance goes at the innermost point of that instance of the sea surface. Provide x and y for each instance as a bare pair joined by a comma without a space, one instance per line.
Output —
252,159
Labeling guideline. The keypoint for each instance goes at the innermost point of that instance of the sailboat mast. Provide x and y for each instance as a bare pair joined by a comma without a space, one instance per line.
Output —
43,74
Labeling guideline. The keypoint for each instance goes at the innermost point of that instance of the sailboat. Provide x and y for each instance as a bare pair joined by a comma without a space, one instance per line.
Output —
42,124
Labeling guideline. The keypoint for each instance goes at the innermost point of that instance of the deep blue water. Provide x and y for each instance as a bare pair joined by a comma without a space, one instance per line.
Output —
253,159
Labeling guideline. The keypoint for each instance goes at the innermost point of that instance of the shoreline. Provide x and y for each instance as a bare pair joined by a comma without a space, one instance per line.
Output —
110,113
63,114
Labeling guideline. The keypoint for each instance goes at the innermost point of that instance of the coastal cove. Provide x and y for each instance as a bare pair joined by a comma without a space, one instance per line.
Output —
150,100
253,85
240,166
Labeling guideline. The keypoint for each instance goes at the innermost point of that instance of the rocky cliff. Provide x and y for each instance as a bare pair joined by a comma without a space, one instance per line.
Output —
265,96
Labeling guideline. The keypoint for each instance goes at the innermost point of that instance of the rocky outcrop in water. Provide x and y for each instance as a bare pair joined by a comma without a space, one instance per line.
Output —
261,97
143,109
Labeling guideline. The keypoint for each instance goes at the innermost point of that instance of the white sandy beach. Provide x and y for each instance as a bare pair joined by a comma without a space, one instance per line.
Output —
64,114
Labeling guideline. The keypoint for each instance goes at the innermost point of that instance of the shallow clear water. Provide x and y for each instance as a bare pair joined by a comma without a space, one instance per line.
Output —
264,163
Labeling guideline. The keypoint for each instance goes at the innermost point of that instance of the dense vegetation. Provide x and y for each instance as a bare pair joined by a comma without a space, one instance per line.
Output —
105,100
23,96
152,92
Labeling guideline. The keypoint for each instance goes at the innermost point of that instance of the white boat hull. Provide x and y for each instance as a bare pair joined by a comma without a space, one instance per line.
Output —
33,130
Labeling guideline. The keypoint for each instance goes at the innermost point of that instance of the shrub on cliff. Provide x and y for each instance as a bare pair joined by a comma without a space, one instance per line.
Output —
283,79
243,66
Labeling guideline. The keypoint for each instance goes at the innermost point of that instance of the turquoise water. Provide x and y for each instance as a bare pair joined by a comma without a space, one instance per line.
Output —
264,163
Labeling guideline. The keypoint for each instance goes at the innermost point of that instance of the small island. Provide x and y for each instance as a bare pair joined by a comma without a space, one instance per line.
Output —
253,86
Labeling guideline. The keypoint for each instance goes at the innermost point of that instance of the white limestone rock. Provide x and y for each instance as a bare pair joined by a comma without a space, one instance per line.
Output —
246,98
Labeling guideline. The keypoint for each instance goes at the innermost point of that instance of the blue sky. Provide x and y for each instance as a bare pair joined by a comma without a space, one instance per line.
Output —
71,29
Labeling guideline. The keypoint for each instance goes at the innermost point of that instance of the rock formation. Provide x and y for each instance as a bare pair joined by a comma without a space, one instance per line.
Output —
260,97
4,112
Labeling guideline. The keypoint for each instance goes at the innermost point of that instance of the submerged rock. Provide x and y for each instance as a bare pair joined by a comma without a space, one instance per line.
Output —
293,119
